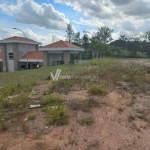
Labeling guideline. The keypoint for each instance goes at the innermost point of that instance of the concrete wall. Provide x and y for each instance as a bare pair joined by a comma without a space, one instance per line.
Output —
80,56
66,57
4,57
10,63
45,59
52,57
22,48
16,56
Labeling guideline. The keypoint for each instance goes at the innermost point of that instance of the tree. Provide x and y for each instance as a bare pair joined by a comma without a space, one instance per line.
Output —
70,33
85,41
134,45
76,39
104,34
146,43
97,47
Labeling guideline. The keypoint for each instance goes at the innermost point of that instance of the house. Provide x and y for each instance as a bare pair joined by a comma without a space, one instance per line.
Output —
59,52
14,50
19,53
1,59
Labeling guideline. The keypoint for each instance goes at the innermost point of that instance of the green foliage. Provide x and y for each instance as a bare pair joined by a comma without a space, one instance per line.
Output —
4,102
10,89
103,61
57,115
52,99
97,90
13,88
31,117
3,125
86,120
23,100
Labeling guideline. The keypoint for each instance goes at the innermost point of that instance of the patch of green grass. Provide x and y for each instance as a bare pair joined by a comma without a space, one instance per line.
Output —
10,89
3,125
31,117
86,120
57,115
103,61
52,99
22,100
4,102
97,90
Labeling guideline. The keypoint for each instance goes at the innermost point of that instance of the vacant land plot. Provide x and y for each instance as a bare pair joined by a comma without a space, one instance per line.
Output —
109,109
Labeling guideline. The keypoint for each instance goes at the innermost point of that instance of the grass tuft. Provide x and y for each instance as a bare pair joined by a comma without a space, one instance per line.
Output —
57,115
52,99
97,90
86,120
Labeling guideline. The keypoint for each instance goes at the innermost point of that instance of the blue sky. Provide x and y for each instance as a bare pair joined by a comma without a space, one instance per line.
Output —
43,19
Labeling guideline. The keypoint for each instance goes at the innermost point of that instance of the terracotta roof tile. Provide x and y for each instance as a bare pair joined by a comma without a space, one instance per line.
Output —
61,44
19,39
33,55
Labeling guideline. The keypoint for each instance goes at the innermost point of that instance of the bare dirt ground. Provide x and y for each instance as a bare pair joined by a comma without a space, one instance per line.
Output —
121,123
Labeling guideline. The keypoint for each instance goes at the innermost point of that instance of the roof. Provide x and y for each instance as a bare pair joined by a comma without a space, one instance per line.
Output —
61,44
19,40
33,55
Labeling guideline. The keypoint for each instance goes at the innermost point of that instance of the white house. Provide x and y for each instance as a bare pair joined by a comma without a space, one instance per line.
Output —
13,49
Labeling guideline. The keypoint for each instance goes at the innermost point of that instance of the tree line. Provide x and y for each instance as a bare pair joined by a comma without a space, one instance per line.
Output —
101,44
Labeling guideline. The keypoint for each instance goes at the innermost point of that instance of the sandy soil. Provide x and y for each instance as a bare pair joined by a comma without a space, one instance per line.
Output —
111,130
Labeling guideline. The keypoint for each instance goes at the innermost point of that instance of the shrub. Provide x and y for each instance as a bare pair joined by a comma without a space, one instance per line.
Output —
52,99
57,115
97,90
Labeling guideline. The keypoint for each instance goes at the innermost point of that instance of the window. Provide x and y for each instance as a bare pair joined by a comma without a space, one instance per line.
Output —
11,56
23,66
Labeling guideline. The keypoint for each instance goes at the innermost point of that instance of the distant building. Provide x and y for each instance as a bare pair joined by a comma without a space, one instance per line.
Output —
59,52
16,51
13,49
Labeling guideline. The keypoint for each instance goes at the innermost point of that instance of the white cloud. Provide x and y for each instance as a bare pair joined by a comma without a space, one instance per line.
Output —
30,12
5,34
31,35
129,17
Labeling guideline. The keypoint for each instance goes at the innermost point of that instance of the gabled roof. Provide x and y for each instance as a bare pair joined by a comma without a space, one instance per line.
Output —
61,44
33,55
18,39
